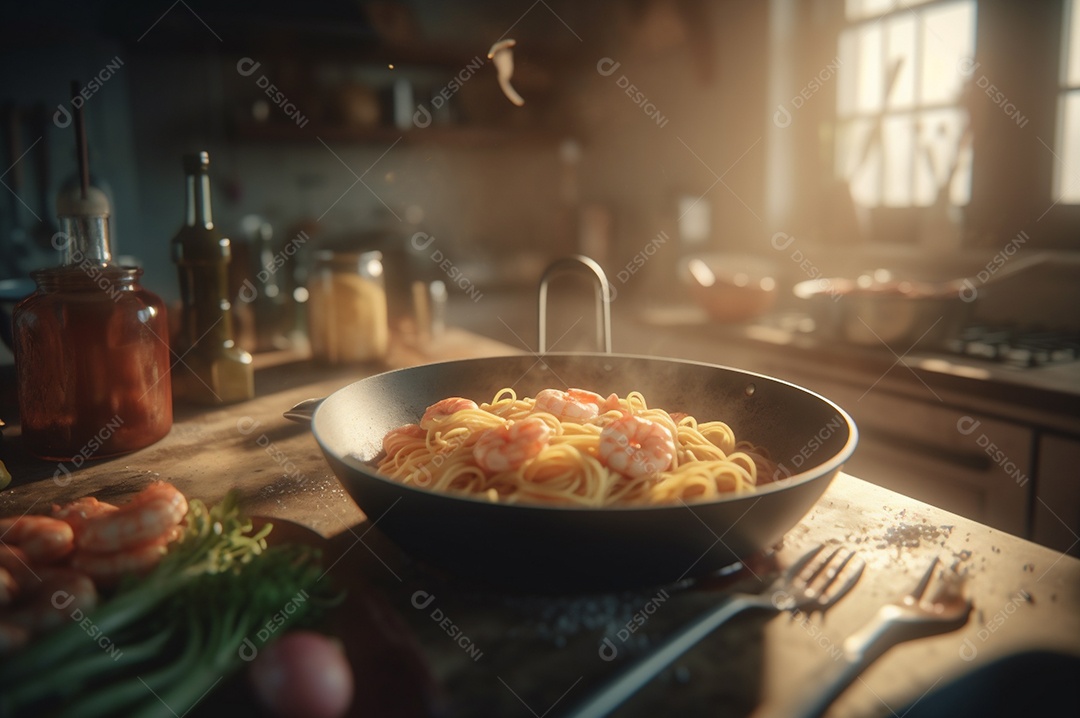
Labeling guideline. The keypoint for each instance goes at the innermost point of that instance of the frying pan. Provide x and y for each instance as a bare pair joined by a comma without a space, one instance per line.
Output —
570,547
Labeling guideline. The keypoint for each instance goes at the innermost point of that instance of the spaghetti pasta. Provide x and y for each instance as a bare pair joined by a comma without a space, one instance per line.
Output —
571,447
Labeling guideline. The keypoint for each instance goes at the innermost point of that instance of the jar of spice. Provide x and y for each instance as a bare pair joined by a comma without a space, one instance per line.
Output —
347,315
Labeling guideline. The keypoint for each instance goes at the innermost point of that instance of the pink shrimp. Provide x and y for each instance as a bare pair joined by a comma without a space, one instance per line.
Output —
636,447
12,637
441,410
79,511
398,438
108,567
43,539
9,588
61,591
505,448
150,515
571,405
17,563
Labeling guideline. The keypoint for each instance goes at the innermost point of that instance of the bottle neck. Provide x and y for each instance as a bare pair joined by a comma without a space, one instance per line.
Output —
198,201
84,239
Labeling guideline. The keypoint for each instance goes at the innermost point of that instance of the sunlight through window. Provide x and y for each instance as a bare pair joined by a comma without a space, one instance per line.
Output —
1067,169
903,140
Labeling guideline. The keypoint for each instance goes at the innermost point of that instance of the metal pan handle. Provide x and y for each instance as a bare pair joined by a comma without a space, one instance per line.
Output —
602,293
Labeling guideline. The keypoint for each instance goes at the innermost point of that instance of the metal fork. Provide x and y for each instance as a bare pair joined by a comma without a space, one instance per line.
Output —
805,586
905,619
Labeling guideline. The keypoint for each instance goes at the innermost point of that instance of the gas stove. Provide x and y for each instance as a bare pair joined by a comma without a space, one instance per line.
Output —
1024,347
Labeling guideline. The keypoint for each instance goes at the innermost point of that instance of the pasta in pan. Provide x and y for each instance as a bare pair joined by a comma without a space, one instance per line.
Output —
571,447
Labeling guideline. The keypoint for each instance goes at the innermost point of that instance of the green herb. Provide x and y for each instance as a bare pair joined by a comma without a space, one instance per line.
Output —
164,641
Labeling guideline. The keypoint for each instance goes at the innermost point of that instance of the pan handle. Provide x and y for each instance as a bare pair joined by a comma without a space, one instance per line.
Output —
303,412
603,298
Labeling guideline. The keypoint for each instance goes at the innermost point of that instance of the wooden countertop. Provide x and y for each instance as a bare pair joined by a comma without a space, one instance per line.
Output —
514,654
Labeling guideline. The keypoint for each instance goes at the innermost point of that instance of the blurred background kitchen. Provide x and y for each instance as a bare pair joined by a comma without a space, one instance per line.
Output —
877,199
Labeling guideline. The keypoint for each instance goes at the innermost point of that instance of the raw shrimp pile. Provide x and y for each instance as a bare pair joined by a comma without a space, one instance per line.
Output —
571,447
51,566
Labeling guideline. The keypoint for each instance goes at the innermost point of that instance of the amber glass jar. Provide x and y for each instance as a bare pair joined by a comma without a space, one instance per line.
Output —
91,352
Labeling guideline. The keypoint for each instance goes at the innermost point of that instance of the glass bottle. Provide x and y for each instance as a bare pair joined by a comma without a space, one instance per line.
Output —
212,368
91,347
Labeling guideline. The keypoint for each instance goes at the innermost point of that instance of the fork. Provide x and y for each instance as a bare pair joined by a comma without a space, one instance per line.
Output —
805,586
904,619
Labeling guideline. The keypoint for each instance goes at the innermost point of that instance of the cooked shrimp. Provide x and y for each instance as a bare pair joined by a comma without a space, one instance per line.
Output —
9,588
17,563
150,515
60,592
505,448
440,410
43,539
396,439
636,447
79,511
108,567
571,405
12,637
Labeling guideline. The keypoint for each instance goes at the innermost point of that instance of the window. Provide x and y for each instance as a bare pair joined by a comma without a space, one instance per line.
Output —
903,139
1067,166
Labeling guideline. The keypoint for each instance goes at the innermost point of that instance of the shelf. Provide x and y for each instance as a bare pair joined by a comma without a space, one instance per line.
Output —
448,135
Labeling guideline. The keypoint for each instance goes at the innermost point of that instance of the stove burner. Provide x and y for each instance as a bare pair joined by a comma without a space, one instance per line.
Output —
1024,347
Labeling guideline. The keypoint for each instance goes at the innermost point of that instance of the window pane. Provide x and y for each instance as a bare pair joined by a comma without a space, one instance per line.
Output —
860,9
1067,173
960,189
1072,45
940,157
846,76
899,153
869,74
856,9
948,35
900,47
861,161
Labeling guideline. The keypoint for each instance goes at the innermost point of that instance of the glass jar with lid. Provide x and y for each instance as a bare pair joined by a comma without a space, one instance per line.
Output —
347,314
91,347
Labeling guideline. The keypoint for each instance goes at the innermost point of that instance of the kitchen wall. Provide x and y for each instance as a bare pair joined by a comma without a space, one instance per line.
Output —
672,111
663,100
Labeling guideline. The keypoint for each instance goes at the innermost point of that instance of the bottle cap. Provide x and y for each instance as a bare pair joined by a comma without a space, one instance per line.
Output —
196,162
71,203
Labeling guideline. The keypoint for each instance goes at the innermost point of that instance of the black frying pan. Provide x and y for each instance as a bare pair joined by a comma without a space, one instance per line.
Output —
808,435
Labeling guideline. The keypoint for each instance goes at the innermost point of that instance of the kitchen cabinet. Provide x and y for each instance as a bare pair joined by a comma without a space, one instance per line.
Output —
1056,516
962,461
